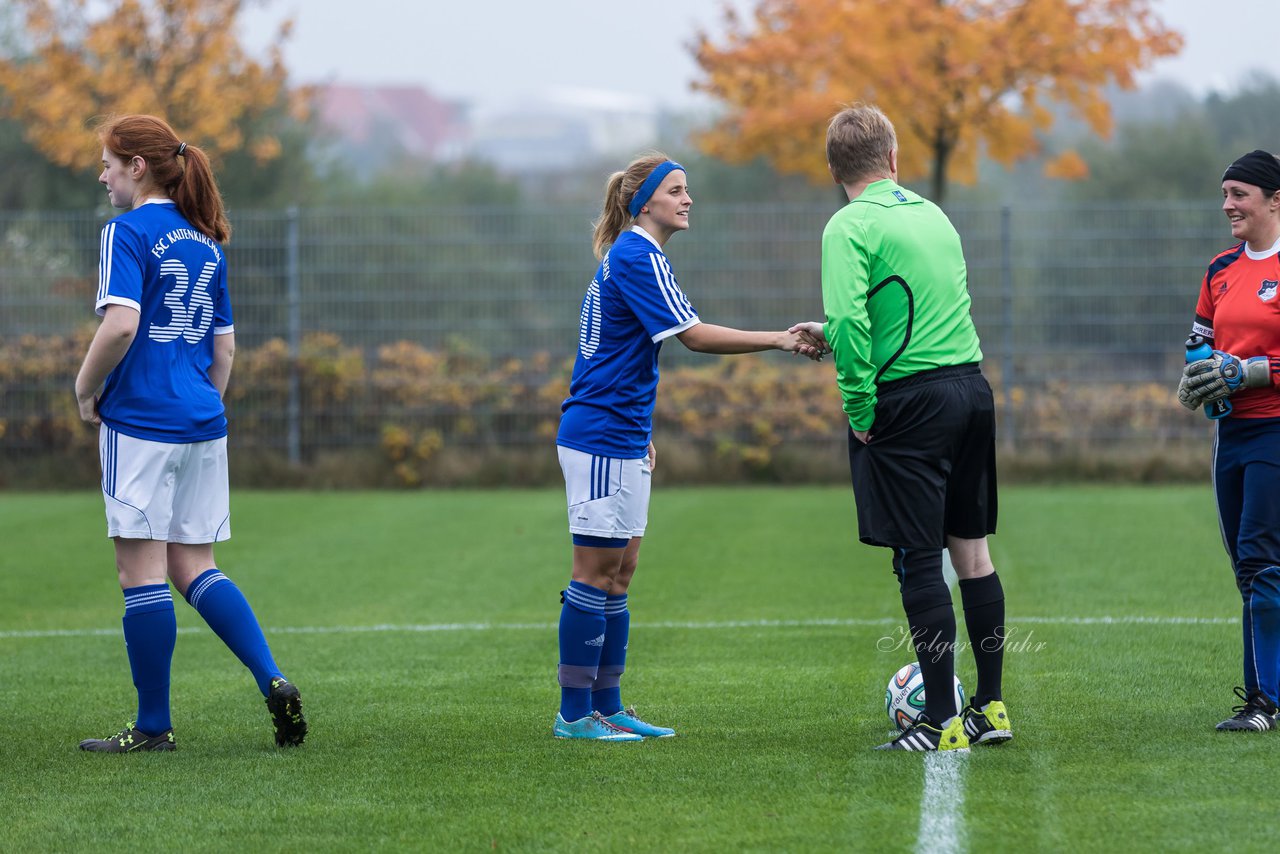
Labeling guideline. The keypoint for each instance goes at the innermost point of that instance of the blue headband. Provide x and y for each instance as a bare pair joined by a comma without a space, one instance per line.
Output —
650,185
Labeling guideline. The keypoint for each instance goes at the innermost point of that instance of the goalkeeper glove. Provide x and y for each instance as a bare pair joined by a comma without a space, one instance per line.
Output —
1222,374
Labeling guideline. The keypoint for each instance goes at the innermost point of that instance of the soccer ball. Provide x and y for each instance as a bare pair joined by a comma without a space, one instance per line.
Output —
904,698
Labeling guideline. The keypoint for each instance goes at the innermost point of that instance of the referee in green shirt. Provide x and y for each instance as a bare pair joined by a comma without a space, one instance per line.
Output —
921,419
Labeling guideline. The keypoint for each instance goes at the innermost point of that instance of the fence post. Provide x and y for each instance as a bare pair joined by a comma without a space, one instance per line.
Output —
1006,301
293,302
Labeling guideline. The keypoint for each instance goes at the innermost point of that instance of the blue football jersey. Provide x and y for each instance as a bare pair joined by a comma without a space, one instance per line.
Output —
632,305
155,262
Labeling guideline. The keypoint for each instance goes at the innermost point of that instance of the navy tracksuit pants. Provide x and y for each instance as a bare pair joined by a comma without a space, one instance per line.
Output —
1246,480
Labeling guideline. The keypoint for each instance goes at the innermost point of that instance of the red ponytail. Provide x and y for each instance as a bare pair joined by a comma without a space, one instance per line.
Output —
185,177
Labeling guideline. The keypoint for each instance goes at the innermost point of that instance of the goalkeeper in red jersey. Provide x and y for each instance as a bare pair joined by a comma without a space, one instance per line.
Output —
1239,316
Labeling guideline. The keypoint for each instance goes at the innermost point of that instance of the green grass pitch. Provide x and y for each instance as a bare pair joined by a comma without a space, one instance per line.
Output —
419,627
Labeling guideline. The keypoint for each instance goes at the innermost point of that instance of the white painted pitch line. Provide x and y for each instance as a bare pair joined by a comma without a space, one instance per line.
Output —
1128,620
942,829
426,628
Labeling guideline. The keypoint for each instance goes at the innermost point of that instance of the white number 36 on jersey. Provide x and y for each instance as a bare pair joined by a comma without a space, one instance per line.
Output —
190,319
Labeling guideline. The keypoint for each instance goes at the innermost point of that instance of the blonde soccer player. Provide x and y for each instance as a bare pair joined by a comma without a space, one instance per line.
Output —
632,305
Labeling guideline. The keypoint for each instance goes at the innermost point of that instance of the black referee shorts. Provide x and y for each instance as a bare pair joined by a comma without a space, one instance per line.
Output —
929,470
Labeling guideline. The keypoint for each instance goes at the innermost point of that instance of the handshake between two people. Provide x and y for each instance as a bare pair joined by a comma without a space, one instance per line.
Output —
1207,381
808,339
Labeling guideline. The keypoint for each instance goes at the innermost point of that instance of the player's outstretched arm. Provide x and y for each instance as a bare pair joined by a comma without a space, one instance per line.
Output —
725,340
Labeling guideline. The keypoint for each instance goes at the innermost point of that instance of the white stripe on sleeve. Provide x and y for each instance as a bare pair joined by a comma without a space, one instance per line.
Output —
675,299
104,259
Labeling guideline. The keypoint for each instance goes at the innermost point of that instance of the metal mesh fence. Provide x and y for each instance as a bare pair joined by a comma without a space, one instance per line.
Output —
346,318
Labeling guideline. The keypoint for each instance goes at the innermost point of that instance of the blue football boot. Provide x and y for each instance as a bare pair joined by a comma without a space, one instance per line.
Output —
627,721
594,727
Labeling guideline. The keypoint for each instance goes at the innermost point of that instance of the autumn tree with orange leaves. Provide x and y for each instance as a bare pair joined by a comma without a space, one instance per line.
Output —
178,59
956,77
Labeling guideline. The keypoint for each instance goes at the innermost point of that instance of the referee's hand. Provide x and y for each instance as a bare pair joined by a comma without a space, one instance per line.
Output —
813,336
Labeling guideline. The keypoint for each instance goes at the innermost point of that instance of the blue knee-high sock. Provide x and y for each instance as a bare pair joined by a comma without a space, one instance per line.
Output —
606,691
227,612
582,633
1262,632
150,632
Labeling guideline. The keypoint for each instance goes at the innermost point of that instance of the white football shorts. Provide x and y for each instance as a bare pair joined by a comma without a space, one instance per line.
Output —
159,491
608,497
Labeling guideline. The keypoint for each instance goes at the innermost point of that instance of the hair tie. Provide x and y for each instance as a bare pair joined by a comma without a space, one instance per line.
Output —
650,185
182,146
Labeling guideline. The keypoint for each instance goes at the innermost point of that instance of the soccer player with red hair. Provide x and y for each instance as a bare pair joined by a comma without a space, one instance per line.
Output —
152,383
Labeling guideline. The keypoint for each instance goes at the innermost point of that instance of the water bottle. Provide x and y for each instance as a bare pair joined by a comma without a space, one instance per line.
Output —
1198,348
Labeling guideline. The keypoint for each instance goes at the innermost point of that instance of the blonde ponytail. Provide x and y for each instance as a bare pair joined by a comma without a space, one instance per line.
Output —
618,190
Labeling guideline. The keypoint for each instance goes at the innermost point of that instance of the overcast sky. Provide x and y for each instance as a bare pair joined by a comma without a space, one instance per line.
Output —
494,51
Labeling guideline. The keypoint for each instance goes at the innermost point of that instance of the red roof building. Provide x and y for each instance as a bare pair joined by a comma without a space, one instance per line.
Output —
401,119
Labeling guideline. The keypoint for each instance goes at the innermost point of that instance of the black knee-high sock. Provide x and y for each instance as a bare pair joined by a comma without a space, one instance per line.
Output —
934,631
932,620
983,600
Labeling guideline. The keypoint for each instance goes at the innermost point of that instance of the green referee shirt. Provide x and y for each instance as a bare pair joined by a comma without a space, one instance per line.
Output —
895,291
